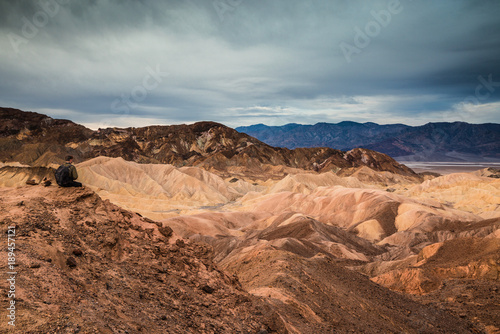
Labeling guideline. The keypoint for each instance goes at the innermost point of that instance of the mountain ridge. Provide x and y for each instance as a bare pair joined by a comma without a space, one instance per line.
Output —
439,141
39,140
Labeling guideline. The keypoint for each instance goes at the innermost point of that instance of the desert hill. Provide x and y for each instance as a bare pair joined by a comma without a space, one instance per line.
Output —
316,295
32,138
303,243
86,265
465,191
275,243
458,141
382,234
39,140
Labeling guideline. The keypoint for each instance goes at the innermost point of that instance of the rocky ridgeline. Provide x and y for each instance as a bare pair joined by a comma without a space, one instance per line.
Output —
39,140
457,141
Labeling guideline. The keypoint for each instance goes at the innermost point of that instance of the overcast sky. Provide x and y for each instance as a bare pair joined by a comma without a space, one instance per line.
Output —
239,62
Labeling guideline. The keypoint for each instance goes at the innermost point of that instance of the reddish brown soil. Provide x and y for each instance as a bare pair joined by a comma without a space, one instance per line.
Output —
87,266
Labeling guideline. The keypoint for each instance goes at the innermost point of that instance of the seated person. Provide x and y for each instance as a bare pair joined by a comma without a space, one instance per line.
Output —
66,174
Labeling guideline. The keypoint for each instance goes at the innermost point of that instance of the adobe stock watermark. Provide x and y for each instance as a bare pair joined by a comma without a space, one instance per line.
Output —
224,6
12,275
363,37
128,101
483,91
31,26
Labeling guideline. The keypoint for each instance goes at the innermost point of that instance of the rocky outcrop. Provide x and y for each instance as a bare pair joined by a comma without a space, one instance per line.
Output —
37,139
13,176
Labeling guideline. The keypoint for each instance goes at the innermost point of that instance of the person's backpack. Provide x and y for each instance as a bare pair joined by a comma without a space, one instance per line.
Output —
62,175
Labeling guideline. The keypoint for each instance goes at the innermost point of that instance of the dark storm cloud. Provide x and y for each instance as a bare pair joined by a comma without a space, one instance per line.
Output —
242,62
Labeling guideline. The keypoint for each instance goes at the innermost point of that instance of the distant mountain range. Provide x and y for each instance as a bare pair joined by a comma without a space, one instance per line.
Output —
456,141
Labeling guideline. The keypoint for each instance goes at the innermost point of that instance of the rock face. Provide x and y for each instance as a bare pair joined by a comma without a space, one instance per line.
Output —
33,138
39,140
466,258
86,266
456,141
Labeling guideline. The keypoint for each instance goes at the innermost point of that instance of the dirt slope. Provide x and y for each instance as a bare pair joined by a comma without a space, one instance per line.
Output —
87,266
316,295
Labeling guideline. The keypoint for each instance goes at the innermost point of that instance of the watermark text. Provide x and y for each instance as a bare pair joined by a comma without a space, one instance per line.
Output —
31,27
363,37
11,274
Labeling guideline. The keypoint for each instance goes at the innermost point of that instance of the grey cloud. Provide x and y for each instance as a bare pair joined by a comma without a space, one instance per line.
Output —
256,53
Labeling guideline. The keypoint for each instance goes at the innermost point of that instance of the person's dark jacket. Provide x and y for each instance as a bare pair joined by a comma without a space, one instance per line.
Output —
72,170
